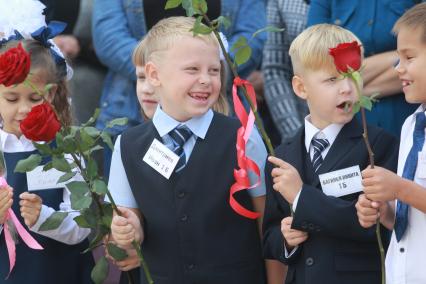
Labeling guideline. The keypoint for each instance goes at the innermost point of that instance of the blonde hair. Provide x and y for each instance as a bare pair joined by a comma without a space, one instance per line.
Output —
414,18
310,49
164,35
43,64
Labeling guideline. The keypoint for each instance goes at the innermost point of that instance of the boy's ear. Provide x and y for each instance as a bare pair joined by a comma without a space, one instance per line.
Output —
299,87
151,73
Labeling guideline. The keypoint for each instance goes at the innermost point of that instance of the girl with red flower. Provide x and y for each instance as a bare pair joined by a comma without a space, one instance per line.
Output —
27,66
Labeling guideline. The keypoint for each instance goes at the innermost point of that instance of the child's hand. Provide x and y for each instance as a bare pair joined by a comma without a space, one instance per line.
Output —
367,211
380,184
132,261
30,207
292,237
286,179
6,200
126,228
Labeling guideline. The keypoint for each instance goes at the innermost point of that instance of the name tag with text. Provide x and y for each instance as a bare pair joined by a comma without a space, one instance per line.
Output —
161,158
38,179
341,182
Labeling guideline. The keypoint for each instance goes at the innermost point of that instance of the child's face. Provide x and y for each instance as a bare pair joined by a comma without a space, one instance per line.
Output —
187,78
16,102
330,97
412,64
145,92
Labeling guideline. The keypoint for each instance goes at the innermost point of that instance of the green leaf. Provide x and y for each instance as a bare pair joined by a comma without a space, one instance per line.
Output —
86,140
48,166
241,42
366,103
106,219
92,131
92,169
61,164
187,5
356,108
96,241
66,177
170,4
100,271
224,21
242,55
93,119
267,29
100,187
43,148
54,221
47,88
79,195
200,28
69,145
116,252
87,218
117,122
28,164
200,6
107,139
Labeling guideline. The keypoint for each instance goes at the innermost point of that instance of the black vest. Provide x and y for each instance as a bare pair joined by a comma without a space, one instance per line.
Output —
57,262
192,235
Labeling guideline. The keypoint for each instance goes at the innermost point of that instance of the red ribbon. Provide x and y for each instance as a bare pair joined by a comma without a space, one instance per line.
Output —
245,164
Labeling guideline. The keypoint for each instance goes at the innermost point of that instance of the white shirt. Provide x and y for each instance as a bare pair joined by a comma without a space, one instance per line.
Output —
405,260
118,183
311,131
68,232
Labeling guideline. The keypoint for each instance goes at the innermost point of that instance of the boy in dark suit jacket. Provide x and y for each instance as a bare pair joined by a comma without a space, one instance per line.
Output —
318,173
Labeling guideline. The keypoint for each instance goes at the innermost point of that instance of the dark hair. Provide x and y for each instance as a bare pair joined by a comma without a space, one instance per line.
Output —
43,64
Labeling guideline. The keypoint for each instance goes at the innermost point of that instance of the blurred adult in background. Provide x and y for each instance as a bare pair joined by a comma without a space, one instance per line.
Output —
119,24
287,110
372,21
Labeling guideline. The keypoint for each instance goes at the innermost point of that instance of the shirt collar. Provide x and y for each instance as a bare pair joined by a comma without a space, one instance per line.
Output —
198,125
11,143
311,131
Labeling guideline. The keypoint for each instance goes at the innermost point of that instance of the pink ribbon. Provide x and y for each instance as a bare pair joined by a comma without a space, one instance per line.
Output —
25,236
245,164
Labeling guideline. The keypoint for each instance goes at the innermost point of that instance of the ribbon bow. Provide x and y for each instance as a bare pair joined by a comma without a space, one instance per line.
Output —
44,35
245,164
16,36
25,236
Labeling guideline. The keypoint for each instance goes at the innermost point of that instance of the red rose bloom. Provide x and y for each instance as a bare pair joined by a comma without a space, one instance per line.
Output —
15,65
41,123
347,55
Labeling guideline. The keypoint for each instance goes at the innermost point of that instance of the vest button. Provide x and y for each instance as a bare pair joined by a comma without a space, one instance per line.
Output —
309,261
181,194
401,249
184,218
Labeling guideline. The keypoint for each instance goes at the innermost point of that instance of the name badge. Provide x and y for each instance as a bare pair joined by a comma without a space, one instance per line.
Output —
341,182
38,179
421,165
161,158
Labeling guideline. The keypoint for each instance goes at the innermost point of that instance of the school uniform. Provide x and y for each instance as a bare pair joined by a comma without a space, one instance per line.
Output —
61,260
338,250
192,235
405,259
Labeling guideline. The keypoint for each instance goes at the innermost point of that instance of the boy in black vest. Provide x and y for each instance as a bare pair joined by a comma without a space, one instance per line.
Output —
318,173
175,171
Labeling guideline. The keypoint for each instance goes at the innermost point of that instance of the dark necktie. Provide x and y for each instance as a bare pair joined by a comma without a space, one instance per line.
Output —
319,146
401,220
180,135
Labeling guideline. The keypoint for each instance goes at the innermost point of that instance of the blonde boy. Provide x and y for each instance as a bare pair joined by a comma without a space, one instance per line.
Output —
189,233
322,242
407,215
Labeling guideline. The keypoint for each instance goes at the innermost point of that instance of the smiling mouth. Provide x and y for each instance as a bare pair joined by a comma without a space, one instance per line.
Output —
199,96
406,83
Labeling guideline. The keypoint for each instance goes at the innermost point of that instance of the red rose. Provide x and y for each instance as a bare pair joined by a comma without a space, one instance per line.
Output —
347,55
15,65
41,123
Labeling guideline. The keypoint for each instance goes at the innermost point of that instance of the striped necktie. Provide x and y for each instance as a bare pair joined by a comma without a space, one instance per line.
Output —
180,135
401,219
319,146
